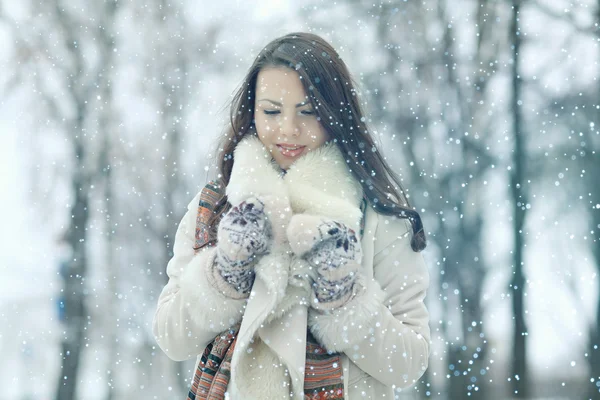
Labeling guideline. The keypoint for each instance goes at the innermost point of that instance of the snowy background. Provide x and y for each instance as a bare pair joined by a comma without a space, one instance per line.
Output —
119,104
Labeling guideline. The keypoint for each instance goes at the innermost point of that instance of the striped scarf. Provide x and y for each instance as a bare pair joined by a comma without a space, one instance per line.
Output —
323,370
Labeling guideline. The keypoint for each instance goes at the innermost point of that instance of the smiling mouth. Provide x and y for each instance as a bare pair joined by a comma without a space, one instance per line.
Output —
290,151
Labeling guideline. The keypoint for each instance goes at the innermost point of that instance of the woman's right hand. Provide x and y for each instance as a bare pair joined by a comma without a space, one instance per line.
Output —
244,234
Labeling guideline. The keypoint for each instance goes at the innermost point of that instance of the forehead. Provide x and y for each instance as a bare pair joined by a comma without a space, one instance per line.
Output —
280,84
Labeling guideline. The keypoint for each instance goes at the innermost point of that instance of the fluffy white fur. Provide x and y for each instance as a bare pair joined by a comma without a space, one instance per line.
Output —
261,375
258,371
273,270
218,309
339,329
255,174
320,183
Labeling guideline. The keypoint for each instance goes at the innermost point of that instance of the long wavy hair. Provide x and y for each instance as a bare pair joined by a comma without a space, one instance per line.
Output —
332,93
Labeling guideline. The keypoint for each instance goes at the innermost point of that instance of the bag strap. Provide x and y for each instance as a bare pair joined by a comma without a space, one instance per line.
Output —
209,196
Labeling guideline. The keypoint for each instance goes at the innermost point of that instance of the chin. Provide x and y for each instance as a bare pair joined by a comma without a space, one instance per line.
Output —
284,166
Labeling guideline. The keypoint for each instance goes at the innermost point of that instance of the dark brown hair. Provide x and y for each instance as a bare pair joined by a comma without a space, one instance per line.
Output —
332,93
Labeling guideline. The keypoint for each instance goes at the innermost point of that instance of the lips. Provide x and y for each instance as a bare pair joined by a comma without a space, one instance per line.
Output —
290,150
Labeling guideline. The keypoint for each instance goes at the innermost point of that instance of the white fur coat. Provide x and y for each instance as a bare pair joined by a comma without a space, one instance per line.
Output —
382,334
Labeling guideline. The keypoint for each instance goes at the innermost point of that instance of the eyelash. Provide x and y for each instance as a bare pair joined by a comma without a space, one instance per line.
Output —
305,112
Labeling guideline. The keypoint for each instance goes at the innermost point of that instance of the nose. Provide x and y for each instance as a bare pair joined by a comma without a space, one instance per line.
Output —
288,126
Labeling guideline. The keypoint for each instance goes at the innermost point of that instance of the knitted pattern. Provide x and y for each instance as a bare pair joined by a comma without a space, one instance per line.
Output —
210,195
244,233
336,255
212,374
323,370
334,252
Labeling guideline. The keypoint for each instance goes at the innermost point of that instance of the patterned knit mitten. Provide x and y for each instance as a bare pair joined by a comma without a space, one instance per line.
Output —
333,249
243,235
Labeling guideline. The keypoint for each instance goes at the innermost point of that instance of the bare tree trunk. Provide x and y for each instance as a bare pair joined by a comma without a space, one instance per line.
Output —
112,288
74,276
107,40
112,270
519,376
465,267
594,333
81,90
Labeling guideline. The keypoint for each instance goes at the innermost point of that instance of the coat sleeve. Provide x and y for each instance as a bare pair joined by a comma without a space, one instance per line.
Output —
191,312
385,331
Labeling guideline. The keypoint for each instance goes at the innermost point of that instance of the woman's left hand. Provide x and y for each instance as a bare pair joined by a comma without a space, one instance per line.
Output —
333,250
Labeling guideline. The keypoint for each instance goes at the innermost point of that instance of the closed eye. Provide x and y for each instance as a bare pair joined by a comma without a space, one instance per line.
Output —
275,112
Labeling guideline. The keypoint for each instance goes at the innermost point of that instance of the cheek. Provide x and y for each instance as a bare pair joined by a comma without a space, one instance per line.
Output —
262,125
312,127
316,132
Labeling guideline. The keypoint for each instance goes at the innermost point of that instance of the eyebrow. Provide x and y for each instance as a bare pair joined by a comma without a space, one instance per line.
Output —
305,102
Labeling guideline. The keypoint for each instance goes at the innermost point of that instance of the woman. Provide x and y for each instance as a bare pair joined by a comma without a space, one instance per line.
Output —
313,256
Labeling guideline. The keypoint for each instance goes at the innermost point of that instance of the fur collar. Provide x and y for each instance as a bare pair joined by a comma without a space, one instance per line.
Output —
318,183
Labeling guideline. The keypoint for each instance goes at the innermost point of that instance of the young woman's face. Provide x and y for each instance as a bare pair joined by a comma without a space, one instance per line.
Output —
285,120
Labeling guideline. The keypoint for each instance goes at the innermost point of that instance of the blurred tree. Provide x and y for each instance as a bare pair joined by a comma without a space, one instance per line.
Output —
577,112
579,115
66,79
108,129
81,89
519,375
441,115
592,167
59,56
